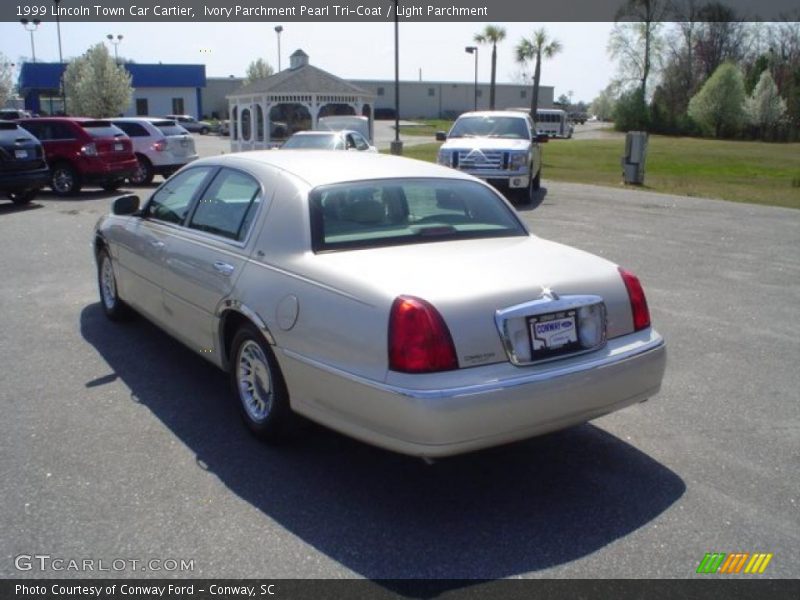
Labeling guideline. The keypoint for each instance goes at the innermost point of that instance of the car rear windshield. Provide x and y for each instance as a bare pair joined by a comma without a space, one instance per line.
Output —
169,128
502,127
101,129
391,212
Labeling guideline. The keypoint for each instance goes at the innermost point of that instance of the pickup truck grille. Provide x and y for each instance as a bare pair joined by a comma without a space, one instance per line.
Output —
482,159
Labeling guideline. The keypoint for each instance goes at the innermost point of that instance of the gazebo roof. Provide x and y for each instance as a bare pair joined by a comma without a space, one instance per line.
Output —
305,79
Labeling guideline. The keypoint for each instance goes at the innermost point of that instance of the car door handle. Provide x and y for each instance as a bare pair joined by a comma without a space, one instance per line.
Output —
224,268
157,244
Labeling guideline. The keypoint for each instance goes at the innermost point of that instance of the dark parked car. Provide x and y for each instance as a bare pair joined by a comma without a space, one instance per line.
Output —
83,151
12,114
23,170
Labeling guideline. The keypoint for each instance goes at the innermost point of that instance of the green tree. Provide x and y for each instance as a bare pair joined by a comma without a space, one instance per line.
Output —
96,86
540,45
603,106
491,34
6,79
258,69
765,108
719,105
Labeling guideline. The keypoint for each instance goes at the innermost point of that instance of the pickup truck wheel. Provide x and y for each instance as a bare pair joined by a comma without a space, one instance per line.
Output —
113,306
259,386
65,180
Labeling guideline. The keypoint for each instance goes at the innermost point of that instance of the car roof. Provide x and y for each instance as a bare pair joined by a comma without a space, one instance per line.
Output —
63,119
494,113
322,167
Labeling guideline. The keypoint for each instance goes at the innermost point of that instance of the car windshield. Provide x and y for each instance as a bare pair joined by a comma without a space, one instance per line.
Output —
169,128
392,212
314,141
502,127
102,129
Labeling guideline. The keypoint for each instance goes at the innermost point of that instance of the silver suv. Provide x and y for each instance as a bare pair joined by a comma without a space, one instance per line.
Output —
161,147
189,123
500,147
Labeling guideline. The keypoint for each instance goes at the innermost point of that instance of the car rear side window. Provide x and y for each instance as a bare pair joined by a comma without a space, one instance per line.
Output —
132,129
101,129
169,128
172,200
407,211
228,205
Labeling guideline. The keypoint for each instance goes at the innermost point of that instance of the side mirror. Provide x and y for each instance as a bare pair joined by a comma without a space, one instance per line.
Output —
125,205
542,138
441,136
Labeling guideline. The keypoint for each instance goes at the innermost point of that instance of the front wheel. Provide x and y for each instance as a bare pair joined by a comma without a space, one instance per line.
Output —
23,197
537,181
113,306
259,386
204,131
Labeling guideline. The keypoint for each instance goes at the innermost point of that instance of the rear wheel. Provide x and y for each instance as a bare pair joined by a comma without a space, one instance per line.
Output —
203,130
65,180
259,386
114,185
144,172
23,197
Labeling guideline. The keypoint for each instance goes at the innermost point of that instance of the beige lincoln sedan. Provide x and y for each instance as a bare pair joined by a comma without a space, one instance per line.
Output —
399,302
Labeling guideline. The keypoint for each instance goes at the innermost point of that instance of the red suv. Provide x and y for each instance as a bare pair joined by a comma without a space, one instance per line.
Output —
83,151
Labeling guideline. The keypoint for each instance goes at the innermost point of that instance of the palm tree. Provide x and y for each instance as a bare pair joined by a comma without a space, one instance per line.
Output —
534,48
491,34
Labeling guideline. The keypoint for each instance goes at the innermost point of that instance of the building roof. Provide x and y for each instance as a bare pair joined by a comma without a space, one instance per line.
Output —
47,76
306,79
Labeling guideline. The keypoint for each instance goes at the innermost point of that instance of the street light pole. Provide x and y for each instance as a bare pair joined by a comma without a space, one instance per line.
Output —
115,41
31,26
60,56
397,145
278,30
474,50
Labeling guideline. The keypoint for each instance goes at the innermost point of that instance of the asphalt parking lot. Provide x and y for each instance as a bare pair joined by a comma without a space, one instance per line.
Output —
117,442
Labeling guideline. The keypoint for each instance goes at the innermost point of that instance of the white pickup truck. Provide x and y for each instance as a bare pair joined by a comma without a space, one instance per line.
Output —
500,147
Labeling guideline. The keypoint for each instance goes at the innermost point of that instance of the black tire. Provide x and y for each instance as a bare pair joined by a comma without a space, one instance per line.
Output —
266,413
144,174
537,181
23,197
65,180
113,306
113,186
204,131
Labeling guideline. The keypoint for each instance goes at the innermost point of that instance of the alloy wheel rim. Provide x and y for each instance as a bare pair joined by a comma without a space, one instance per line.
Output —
139,174
108,286
62,180
254,381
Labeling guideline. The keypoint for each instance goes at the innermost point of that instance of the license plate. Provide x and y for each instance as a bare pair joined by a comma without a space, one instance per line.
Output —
118,147
553,333
20,153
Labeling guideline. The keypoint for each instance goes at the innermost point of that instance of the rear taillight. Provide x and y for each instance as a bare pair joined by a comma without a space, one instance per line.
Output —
639,310
419,341
160,145
89,150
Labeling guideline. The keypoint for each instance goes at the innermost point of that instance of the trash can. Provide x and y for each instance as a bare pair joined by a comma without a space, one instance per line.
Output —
633,161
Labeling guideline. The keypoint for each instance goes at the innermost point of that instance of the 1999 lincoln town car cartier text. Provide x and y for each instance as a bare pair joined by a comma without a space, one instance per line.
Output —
399,302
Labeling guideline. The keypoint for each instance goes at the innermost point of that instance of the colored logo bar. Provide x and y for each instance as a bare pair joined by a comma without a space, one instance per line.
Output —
734,563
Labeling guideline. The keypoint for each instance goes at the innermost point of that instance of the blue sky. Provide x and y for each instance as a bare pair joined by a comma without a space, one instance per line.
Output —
350,50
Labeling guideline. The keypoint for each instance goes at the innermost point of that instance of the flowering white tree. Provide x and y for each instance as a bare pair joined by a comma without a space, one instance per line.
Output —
6,80
96,86
765,108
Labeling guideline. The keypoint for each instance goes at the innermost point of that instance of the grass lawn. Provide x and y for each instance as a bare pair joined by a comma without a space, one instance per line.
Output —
739,171
426,127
